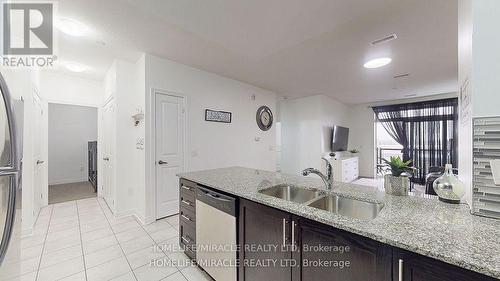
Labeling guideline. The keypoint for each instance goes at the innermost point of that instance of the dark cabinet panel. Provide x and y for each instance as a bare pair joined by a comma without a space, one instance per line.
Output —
263,232
409,266
326,253
187,217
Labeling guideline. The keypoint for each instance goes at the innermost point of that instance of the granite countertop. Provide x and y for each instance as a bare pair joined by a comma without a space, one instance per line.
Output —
425,226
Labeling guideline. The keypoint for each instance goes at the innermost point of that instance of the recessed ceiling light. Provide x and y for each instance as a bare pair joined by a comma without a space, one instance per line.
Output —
379,62
75,66
72,27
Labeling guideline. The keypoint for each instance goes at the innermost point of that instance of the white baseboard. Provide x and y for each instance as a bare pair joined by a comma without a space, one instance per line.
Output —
66,181
149,220
134,214
142,221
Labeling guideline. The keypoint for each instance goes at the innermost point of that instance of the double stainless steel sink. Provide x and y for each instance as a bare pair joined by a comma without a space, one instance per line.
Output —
291,193
331,203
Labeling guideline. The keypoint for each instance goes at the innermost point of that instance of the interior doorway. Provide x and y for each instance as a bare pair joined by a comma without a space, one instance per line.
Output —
170,146
72,152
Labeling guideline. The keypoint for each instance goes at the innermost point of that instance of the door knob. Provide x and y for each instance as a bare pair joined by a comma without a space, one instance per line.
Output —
105,158
161,162
39,162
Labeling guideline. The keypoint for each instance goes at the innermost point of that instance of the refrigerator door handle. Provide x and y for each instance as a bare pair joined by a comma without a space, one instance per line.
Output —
12,171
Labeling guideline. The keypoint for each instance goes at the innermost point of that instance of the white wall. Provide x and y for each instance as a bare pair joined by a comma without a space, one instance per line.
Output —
306,130
130,165
486,58
478,56
69,89
362,137
209,144
22,85
465,81
71,127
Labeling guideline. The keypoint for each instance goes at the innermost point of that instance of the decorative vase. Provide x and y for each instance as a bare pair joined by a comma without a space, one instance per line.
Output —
396,185
448,187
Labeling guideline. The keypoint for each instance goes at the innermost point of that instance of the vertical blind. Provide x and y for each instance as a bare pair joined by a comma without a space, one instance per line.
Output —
428,132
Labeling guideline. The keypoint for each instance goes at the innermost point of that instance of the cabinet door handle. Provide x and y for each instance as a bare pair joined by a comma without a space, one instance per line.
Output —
400,270
186,240
186,217
186,187
186,202
293,235
284,232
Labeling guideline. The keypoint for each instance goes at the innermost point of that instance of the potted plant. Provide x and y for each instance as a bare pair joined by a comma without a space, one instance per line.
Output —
397,182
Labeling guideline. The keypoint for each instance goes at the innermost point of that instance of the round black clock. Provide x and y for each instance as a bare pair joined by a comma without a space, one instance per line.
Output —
264,118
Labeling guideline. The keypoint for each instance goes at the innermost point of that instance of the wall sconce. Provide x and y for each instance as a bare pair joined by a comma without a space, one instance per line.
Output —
138,117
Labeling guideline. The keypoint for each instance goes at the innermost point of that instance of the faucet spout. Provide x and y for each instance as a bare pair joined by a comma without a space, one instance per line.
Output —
328,181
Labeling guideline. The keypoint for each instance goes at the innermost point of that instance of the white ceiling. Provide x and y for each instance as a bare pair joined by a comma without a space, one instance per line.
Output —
293,47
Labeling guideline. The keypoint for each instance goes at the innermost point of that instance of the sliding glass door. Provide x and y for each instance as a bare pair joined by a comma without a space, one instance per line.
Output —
427,132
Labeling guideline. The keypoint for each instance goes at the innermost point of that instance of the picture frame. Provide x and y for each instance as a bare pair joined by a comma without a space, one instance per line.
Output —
218,116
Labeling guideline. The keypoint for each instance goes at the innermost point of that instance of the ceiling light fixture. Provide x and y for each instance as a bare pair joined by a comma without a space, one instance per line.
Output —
376,63
72,27
75,66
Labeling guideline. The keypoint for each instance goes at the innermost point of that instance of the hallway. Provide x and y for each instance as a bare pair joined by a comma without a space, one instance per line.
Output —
81,240
70,191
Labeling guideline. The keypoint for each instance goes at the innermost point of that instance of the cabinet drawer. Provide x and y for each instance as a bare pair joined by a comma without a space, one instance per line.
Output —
187,203
187,187
186,193
187,217
187,239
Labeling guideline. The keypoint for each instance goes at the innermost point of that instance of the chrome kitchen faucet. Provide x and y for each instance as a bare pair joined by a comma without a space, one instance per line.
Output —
327,179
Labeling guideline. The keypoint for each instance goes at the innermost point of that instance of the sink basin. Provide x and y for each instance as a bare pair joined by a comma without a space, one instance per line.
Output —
291,193
348,207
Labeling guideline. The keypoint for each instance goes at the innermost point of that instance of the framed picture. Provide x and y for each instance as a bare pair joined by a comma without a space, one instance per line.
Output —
218,116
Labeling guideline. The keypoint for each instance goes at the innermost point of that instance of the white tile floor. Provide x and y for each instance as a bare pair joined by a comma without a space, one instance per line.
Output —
81,240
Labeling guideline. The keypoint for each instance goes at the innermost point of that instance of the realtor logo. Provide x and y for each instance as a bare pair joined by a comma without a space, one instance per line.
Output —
28,29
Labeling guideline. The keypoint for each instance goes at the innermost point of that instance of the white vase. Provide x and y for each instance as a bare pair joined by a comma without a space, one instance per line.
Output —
398,186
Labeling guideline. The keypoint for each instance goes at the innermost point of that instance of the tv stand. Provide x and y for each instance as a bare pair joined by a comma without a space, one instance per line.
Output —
345,169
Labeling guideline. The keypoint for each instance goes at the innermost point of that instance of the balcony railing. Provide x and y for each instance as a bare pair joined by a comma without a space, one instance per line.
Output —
386,153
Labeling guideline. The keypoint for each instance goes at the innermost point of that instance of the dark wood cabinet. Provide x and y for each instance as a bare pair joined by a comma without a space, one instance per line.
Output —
264,239
187,217
408,266
327,253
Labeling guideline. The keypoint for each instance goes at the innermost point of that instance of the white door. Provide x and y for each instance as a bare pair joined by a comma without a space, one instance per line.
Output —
169,150
108,142
39,162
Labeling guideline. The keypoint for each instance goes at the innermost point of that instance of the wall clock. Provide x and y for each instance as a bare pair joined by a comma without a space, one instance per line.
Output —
264,118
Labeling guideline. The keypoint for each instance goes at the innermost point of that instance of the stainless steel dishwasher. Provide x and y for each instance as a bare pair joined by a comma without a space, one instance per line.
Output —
216,246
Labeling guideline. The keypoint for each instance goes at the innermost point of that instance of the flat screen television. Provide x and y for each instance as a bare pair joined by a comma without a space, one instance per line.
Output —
340,138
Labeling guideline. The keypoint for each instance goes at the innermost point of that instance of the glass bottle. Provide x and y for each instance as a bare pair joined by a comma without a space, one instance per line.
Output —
448,187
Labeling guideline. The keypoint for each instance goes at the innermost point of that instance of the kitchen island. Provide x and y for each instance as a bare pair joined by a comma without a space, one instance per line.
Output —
447,234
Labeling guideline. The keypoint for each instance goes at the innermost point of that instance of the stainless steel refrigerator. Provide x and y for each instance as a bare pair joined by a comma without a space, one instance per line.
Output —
9,168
